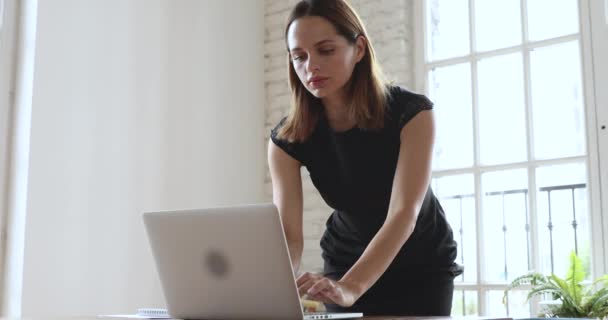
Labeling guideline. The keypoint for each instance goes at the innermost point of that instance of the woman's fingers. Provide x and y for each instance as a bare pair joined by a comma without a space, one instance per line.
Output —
302,289
322,296
306,276
330,292
318,288
320,285
305,281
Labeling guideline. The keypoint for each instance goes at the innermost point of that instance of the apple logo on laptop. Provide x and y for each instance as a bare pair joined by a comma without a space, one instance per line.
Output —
216,263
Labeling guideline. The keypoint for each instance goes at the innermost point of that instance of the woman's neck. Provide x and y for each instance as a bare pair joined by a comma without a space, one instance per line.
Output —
337,113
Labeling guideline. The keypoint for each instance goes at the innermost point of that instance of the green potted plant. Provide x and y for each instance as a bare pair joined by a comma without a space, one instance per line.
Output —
575,299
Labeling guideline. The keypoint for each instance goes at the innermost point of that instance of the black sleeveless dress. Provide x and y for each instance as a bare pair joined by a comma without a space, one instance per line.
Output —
354,171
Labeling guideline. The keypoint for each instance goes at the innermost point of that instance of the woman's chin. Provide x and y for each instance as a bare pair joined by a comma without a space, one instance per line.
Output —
319,92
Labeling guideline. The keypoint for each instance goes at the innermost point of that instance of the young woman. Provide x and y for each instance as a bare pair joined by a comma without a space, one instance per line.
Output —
367,145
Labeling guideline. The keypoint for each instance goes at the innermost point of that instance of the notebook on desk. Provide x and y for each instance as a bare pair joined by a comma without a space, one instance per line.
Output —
226,263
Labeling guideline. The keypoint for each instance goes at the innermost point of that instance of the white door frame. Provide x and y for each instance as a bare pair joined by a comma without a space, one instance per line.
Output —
594,25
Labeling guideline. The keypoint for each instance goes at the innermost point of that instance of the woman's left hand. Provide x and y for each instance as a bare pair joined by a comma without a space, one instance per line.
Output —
325,290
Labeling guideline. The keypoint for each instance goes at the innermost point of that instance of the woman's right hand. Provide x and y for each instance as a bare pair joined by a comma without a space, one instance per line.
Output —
305,281
319,288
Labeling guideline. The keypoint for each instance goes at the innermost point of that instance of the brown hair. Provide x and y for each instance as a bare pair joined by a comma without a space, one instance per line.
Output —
367,88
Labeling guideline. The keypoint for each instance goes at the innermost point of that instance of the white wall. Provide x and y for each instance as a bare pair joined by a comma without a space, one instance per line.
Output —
7,72
138,105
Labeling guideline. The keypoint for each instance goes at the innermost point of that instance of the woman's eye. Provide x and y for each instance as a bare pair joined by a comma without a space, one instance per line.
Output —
296,58
327,51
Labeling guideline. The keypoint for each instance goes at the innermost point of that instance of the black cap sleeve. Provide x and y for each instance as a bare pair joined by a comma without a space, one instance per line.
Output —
405,105
294,149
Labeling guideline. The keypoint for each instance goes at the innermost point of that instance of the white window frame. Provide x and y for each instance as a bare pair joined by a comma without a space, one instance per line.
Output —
597,140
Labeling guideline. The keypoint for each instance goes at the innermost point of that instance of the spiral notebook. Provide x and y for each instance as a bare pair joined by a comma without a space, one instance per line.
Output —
142,313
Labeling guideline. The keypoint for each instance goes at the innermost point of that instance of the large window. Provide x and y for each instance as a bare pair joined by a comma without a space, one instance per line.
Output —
511,162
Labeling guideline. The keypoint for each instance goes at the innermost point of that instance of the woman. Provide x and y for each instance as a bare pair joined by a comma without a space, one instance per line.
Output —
367,145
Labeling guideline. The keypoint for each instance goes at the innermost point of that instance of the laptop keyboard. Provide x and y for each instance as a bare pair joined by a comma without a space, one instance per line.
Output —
316,315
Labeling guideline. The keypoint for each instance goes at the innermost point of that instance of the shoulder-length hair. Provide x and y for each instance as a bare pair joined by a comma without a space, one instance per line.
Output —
366,91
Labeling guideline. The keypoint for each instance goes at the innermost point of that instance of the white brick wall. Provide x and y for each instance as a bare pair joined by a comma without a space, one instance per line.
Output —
388,23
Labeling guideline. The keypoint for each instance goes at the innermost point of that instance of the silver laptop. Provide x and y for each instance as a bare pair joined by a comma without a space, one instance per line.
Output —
226,263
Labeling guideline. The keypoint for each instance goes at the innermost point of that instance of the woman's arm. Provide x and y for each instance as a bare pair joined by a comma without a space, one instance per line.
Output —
410,185
287,196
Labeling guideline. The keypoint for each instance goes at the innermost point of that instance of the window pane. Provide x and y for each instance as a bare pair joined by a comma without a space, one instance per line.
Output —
450,89
502,122
552,18
447,25
517,305
557,101
563,217
456,195
464,303
505,224
497,24
495,306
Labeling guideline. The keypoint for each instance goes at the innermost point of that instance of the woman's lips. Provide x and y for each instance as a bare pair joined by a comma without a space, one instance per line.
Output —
318,83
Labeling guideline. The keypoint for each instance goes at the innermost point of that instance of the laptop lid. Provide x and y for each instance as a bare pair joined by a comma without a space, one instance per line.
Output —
229,263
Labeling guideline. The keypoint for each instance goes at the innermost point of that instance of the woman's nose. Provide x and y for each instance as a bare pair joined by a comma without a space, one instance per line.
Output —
312,64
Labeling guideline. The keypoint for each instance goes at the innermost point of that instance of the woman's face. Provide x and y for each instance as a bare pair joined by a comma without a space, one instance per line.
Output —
323,59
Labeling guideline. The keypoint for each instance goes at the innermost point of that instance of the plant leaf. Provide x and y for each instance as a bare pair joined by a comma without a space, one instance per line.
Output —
603,279
532,278
600,302
566,309
574,277
568,300
589,300
559,282
543,289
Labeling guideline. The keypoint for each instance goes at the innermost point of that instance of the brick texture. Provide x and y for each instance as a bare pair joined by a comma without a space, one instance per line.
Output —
389,27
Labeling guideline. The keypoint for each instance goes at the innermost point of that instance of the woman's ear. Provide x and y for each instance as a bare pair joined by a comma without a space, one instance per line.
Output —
361,47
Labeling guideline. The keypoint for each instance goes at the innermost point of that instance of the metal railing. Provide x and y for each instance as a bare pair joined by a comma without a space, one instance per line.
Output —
460,232
548,190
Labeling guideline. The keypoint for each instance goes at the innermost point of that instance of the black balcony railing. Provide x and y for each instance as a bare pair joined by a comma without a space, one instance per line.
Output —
548,190
524,194
506,196
502,195
460,230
